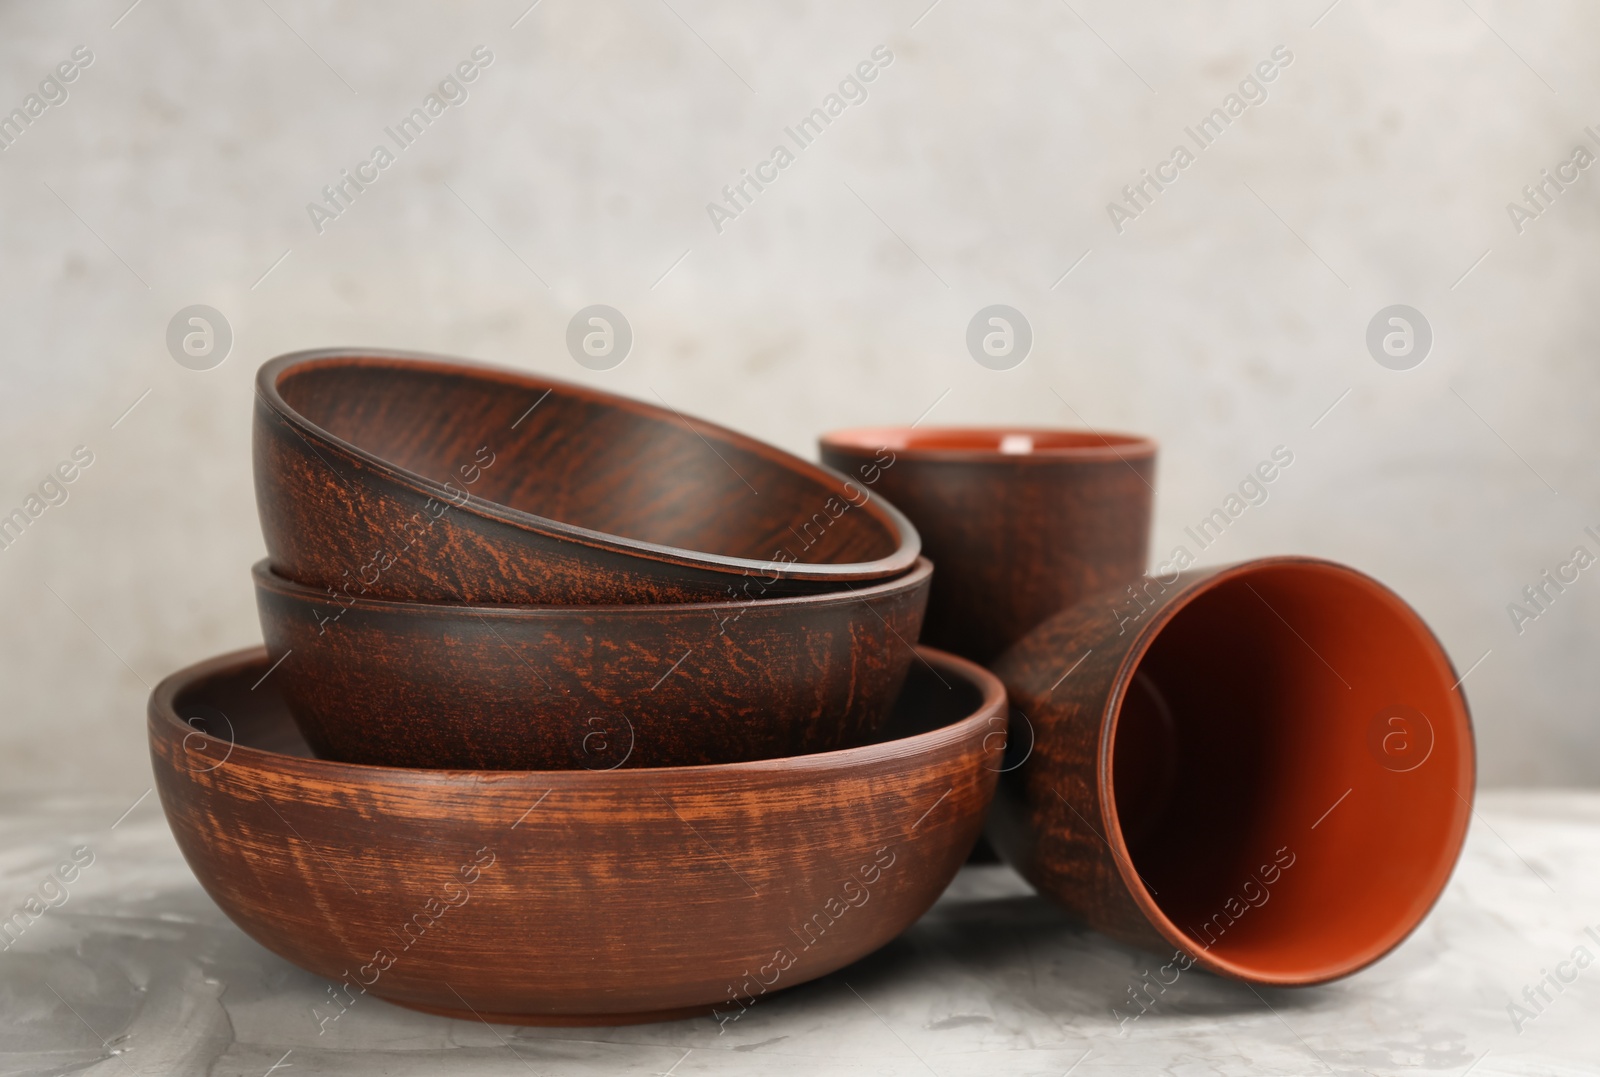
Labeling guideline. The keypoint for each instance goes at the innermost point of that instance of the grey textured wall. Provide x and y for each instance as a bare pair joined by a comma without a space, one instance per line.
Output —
1225,319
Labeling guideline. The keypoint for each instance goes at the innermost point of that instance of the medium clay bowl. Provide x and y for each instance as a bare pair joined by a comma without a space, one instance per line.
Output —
570,897
1264,769
1021,522
553,687
420,478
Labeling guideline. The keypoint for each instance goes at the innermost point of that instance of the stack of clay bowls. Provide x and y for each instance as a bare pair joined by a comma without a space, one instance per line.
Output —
571,709
1263,769
574,709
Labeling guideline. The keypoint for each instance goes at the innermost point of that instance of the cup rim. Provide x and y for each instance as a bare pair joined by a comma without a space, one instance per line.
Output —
274,371
1073,444
1145,637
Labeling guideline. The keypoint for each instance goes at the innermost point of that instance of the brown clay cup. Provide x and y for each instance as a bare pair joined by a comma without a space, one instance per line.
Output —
433,684
1020,523
421,478
570,897
1266,767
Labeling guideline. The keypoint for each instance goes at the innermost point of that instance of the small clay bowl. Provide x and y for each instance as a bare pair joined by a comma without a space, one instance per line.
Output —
570,897
553,687
1022,522
430,479
1264,769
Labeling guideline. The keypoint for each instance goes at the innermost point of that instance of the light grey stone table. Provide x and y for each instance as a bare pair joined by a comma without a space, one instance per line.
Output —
135,971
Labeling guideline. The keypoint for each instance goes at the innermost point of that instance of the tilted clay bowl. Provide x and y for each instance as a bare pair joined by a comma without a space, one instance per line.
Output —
553,687
1264,769
422,478
1021,521
570,897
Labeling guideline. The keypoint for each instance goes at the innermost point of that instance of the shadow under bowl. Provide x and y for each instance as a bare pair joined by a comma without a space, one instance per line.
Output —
417,477
570,897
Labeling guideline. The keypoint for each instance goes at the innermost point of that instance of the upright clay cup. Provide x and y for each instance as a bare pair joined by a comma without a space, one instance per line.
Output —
1264,769
1019,522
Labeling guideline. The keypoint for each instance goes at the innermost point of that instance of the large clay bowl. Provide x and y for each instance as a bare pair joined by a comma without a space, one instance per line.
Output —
421,478
542,897
552,687
1022,522
1264,769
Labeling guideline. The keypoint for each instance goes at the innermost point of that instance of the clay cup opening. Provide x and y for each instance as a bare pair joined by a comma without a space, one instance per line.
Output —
966,442
1290,769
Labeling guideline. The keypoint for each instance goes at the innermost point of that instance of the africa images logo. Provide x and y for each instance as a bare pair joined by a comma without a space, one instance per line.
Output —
1140,195
852,91
451,92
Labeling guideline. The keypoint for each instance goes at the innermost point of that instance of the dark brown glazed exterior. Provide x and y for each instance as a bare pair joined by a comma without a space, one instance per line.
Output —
1015,536
555,687
1215,770
569,897
416,477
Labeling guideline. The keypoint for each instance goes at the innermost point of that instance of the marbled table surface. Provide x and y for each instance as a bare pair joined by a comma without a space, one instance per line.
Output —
135,971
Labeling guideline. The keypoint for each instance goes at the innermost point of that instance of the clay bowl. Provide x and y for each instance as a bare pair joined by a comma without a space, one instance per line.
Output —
570,897
553,687
1022,522
421,478
1264,769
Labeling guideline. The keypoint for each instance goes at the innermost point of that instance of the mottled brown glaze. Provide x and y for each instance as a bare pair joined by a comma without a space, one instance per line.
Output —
569,897
430,479
553,687
1264,769
1016,535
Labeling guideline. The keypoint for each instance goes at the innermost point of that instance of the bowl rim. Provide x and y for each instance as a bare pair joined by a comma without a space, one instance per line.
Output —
1205,582
165,725
274,371
268,579
1099,446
